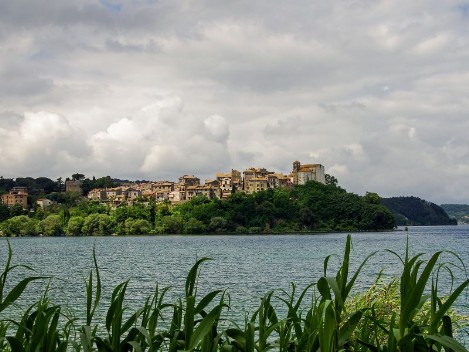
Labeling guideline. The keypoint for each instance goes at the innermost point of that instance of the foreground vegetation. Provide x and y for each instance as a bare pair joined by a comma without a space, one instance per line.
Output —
312,207
406,314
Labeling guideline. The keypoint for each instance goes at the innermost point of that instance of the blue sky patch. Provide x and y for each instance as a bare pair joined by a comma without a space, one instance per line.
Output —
464,9
111,6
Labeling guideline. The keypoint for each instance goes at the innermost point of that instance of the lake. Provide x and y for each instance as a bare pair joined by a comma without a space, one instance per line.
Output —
246,266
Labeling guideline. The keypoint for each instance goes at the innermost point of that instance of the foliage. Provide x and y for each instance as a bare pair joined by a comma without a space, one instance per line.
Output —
417,211
97,224
460,212
310,207
52,225
323,316
19,226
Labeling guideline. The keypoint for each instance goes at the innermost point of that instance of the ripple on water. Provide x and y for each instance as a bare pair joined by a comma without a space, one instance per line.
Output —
246,266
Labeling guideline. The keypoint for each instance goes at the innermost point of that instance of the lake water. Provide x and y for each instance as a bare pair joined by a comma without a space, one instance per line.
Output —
246,266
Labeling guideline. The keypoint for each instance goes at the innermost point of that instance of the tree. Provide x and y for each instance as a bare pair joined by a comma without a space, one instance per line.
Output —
78,177
172,224
52,225
194,226
16,210
217,224
97,224
75,225
331,180
4,212
372,198
137,227
307,217
19,226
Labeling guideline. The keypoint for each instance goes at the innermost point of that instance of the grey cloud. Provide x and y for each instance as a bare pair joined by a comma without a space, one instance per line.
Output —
374,90
290,126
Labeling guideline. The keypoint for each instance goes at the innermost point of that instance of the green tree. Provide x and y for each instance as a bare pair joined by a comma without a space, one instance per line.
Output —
217,224
307,217
137,227
194,226
19,226
4,212
331,180
75,225
97,224
17,210
52,225
372,198
173,224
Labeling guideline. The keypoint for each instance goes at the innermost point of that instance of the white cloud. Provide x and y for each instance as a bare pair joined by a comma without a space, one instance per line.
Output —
157,89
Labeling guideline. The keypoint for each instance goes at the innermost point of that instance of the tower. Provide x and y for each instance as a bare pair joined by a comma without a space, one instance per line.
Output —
296,166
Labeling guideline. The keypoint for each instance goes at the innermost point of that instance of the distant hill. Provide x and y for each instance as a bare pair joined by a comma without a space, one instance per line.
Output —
458,211
416,211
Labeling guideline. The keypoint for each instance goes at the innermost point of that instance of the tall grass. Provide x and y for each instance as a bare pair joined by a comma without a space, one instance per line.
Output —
404,314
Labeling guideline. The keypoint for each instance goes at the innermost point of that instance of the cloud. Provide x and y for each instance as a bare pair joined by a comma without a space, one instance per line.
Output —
374,90
41,143
159,142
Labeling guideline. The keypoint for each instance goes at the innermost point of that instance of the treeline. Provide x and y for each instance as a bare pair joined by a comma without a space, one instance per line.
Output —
458,211
312,207
416,211
54,190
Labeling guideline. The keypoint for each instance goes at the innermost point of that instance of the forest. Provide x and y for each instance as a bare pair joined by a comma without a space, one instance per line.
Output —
313,207
417,212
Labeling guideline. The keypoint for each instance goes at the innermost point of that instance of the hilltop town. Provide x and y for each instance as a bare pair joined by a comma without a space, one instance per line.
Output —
188,186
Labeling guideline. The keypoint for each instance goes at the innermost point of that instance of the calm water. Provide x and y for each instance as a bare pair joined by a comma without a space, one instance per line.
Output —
247,266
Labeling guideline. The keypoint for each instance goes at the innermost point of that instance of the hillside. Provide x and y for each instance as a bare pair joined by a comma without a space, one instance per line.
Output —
416,211
303,208
460,212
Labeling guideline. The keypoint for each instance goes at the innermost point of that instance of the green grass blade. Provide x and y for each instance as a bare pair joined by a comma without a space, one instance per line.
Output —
206,301
447,342
192,276
16,292
204,327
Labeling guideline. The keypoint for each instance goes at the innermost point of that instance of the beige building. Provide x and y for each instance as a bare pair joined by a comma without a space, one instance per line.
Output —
254,173
44,203
97,194
256,184
188,180
307,172
192,191
17,195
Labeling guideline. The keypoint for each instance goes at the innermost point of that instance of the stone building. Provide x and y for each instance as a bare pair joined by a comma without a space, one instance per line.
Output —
307,172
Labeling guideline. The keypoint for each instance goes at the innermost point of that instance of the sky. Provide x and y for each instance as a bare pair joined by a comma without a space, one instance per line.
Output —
377,91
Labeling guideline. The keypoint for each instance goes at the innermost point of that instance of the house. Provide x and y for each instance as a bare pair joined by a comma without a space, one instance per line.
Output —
163,186
192,191
44,203
176,196
228,183
132,194
186,181
307,172
256,184
97,194
278,180
17,195
254,173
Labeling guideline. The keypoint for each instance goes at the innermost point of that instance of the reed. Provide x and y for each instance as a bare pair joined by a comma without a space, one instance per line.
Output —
404,314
